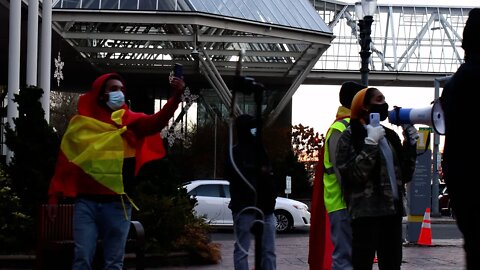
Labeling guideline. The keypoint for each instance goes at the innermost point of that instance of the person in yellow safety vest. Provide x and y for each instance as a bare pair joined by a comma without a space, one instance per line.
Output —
340,231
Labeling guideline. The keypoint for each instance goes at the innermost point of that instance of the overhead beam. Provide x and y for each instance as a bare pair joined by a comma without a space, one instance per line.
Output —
270,53
173,37
376,78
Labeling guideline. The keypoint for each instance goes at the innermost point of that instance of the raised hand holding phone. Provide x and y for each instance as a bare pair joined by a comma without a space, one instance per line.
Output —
374,119
375,132
178,70
176,81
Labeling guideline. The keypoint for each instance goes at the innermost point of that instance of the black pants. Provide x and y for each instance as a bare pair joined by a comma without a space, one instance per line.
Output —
380,235
468,221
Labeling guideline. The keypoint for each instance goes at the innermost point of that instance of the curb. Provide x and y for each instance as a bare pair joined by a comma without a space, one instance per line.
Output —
437,220
25,261
436,243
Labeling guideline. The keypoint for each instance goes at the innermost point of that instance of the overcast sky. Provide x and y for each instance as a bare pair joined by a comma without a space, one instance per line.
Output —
316,105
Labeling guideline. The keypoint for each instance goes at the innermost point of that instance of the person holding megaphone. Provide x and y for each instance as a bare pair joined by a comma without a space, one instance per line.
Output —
374,166
460,162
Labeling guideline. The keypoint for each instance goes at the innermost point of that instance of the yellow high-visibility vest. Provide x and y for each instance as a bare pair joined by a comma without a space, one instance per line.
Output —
332,191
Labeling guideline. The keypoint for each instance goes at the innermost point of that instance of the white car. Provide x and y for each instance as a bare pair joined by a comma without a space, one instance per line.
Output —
213,197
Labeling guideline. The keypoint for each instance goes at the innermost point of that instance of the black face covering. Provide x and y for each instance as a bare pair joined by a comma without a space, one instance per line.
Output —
381,109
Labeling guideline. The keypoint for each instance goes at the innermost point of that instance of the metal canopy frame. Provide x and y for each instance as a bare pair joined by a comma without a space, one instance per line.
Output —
208,44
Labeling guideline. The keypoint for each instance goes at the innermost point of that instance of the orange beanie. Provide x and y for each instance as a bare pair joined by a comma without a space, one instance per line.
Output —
357,104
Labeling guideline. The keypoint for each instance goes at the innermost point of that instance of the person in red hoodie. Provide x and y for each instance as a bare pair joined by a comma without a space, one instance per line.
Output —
102,150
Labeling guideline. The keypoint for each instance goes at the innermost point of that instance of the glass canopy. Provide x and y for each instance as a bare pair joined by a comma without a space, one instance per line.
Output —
298,13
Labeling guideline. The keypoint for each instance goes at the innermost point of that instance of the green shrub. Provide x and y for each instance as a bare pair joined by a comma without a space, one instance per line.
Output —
166,213
27,175
15,226
35,146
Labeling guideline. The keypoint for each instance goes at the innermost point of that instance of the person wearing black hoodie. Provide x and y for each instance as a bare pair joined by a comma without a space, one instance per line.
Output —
253,195
459,101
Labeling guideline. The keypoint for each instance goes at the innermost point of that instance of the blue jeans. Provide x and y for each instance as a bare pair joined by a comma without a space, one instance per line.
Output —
107,221
341,235
243,236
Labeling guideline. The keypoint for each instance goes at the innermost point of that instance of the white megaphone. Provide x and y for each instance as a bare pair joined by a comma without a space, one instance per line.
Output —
431,116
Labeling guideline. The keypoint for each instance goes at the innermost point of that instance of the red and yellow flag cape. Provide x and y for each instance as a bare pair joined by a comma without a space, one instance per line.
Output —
97,148
92,154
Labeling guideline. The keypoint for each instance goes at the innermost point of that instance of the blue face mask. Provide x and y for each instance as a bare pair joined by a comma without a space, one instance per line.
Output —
116,99
253,131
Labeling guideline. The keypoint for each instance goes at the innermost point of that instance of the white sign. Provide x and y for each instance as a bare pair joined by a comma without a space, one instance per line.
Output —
288,185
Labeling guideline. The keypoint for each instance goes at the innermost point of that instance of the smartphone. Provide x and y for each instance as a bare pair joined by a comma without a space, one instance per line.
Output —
374,119
178,70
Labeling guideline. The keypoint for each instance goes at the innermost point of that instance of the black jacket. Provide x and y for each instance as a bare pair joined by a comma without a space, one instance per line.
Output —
459,101
246,154
365,179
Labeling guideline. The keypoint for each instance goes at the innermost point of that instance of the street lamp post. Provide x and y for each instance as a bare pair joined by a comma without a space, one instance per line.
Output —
364,11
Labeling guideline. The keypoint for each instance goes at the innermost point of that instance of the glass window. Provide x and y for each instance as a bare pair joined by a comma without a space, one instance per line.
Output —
166,5
206,190
68,4
109,4
147,5
128,4
206,6
226,190
93,4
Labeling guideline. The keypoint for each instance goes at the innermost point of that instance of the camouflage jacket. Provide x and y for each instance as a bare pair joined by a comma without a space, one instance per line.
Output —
365,180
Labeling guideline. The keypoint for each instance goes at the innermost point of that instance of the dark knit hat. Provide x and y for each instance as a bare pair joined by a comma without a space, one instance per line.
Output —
244,123
348,91
470,32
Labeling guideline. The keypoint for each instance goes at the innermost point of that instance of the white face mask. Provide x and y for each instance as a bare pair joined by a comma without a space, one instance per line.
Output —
116,99
253,131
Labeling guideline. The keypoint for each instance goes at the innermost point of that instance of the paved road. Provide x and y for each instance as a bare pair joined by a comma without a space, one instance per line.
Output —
292,254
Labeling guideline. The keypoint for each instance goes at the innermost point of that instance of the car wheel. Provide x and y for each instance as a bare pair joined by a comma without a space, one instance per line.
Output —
284,221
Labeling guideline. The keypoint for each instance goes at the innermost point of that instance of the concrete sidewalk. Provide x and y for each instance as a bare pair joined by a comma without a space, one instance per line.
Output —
292,254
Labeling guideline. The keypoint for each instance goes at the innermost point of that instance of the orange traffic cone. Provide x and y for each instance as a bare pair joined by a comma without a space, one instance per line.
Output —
425,237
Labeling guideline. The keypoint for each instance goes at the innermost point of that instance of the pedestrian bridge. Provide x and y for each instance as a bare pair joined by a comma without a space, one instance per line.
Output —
411,45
